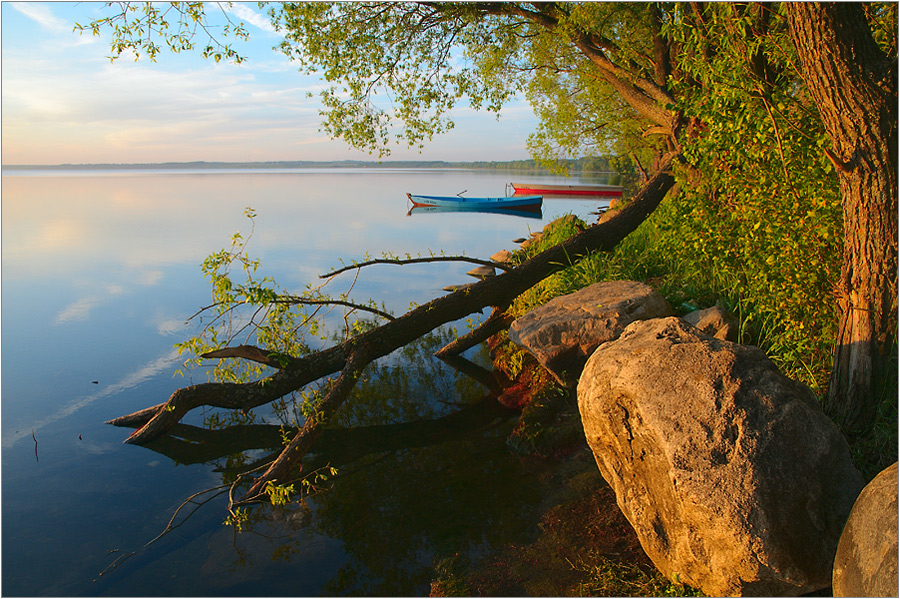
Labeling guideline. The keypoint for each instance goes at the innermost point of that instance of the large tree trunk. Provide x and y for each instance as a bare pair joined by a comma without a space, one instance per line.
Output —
855,88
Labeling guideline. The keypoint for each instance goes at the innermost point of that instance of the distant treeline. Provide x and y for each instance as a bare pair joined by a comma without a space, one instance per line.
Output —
580,165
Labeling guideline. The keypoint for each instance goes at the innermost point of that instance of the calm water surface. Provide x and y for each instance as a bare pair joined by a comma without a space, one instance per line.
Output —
100,271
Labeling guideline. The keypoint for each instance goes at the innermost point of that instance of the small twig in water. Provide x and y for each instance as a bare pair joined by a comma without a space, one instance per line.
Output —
172,525
35,446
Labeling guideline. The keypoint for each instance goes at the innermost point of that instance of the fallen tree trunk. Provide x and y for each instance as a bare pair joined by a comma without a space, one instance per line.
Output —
350,357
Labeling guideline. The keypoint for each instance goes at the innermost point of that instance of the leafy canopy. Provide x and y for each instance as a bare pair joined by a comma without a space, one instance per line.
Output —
138,29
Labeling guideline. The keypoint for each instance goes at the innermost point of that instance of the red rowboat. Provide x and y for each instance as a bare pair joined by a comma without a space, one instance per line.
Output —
566,190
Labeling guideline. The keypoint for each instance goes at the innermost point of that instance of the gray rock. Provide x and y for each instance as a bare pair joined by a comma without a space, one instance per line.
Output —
714,321
730,473
866,560
503,256
562,333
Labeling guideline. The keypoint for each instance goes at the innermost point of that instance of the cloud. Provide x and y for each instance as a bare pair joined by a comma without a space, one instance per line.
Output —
78,311
42,15
148,111
150,277
171,326
65,103
247,14
81,309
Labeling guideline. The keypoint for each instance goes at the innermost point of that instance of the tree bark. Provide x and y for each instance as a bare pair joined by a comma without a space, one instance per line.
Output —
854,86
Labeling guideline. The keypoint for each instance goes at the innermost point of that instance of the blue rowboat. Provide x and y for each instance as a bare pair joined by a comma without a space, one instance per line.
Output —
518,203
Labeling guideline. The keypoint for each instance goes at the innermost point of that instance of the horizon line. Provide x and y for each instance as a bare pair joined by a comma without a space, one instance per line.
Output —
257,162
272,163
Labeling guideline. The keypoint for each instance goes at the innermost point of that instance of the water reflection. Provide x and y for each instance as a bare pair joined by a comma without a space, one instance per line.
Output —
531,213
100,272
407,399
188,444
424,471
164,363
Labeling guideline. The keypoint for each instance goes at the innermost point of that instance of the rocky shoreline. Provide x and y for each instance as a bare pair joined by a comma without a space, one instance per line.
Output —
730,475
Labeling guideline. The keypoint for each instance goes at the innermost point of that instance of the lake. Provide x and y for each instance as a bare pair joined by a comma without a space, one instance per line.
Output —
100,270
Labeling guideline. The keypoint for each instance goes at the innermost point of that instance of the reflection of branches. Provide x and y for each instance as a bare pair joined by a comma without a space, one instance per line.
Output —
188,444
308,489
482,375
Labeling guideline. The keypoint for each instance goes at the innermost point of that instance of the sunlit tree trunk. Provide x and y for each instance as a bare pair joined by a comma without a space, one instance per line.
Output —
854,86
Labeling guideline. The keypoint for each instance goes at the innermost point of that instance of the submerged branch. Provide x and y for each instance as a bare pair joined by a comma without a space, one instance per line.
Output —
187,444
303,441
172,525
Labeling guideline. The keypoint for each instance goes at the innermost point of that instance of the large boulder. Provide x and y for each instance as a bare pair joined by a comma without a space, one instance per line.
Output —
562,333
730,473
866,560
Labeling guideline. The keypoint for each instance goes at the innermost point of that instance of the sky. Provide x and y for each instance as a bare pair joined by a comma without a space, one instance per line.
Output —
65,102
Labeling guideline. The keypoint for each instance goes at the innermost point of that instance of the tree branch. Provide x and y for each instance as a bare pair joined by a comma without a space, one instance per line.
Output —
189,444
310,431
291,299
646,96
247,352
496,322
401,262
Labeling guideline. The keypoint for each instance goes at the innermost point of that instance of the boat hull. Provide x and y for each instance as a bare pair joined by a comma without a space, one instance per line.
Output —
567,190
531,202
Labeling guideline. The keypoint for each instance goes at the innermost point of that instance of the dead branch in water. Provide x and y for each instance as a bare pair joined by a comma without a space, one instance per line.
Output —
350,357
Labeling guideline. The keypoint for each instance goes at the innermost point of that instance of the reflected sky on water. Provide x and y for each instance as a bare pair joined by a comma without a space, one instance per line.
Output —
100,272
